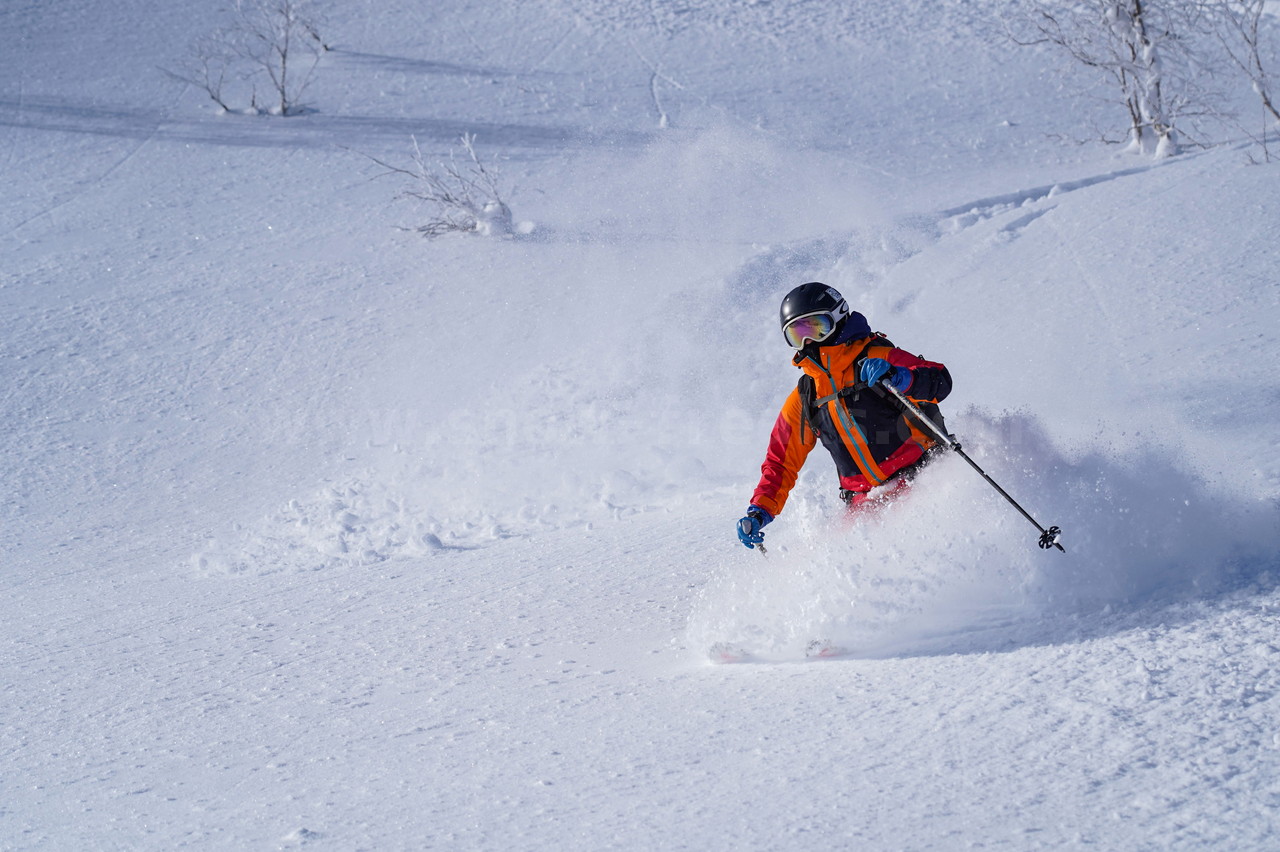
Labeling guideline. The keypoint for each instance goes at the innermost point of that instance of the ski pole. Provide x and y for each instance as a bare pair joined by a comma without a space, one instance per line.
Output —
1048,537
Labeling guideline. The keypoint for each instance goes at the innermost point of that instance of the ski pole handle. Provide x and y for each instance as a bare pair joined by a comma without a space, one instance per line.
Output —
745,526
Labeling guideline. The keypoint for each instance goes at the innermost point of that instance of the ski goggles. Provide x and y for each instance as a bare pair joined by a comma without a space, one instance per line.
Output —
816,327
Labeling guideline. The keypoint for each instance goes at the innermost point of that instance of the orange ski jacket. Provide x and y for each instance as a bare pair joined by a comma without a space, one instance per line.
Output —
868,435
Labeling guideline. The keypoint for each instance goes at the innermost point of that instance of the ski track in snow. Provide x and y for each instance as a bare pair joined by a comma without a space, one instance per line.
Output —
318,534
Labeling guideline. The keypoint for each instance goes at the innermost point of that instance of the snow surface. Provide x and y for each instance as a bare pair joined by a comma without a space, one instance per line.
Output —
319,533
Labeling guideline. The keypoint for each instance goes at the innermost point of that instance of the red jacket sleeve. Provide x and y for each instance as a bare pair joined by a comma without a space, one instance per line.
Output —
789,445
930,381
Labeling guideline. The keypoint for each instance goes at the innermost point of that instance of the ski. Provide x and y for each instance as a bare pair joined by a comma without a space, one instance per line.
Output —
726,652
816,649
823,649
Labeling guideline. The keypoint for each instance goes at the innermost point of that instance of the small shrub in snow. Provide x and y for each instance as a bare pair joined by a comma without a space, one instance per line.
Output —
275,42
462,195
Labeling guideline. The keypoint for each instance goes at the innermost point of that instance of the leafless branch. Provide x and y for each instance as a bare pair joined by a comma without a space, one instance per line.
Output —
1143,47
463,193
278,39
1239,28
281,39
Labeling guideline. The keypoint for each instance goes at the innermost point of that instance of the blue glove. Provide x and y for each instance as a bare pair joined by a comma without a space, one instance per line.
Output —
875,369
751,524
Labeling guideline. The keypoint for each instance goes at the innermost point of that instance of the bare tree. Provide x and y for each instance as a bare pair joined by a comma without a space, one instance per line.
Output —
1142,46
1248,42
276,39
463,196
281,39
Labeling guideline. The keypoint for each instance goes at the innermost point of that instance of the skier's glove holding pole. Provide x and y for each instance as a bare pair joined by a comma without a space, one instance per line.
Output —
875,369
749,527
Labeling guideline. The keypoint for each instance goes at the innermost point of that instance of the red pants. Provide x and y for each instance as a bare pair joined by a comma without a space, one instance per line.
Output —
873,501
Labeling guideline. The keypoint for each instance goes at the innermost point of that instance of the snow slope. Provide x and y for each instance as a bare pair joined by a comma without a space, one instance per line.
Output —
318,533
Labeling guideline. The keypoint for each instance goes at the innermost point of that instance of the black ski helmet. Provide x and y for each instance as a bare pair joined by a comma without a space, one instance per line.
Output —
812,298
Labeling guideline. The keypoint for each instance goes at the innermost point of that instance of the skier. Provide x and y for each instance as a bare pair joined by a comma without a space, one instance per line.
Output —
839,402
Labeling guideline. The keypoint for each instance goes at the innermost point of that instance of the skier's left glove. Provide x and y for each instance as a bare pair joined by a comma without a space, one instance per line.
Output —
875,369
751,524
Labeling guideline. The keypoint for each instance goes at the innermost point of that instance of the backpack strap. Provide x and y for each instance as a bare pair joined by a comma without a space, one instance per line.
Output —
807,389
